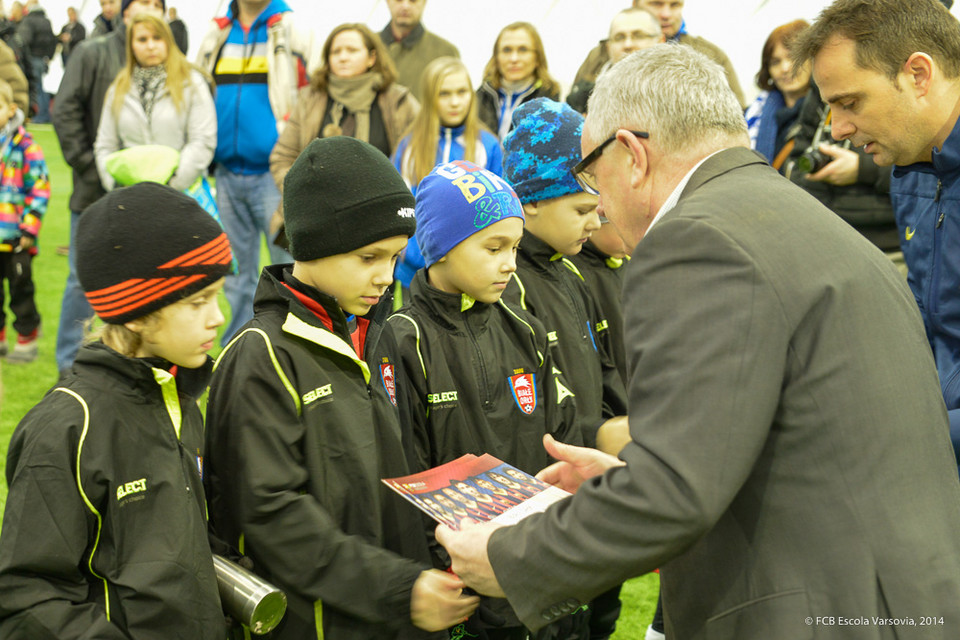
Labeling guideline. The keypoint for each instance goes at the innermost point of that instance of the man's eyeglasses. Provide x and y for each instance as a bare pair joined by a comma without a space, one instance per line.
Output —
585,178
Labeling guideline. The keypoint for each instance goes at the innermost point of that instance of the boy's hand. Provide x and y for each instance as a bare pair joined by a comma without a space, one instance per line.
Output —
26,242
437,603
576,464
613,435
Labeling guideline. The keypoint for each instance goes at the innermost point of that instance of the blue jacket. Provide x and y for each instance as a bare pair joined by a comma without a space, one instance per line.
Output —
246,122
489,156
926,202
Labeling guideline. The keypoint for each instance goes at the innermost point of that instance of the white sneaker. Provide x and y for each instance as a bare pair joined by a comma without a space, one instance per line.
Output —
23,352
653,634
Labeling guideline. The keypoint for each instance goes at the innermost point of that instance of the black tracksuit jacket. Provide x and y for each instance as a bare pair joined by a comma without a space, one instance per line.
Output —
551,288
299,433
464,366
603,276
105,532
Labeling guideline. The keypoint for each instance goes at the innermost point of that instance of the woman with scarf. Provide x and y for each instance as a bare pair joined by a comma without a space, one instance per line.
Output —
516,73
157,99
772,116
353,94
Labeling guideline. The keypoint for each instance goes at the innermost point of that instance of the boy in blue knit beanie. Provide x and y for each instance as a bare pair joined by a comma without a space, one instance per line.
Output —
480,375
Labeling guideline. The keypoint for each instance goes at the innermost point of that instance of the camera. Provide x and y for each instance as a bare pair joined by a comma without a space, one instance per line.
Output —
812,159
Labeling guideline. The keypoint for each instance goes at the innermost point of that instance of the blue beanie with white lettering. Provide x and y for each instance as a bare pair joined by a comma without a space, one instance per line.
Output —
455,201
539,154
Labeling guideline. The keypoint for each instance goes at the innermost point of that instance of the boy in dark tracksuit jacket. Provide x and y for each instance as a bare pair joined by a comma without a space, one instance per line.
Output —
482,379
601,264
303,419
105,531
482,376
539,156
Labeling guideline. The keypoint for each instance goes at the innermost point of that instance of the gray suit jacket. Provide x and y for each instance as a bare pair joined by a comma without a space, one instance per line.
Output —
790,456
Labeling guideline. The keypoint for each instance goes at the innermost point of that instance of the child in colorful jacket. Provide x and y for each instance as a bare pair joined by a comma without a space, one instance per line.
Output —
24,192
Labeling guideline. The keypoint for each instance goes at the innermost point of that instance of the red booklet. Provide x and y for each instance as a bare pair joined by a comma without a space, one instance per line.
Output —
478,488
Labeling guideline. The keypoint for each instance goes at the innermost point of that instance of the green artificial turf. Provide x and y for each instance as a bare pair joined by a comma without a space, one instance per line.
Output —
23,385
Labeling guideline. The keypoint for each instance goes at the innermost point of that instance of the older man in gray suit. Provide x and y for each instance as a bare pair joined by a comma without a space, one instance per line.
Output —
789,467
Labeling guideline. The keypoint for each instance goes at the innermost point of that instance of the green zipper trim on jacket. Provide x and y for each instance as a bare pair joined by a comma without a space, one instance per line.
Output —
297,327
569,265
416,328
273,358
171,399
86,500
616,263
466,303
523,290
318,618
507,308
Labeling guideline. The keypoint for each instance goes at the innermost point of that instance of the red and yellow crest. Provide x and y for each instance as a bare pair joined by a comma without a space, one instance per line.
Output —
524,388
387,375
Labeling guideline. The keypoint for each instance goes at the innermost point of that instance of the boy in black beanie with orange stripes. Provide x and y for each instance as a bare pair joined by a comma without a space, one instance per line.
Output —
105,530
303,422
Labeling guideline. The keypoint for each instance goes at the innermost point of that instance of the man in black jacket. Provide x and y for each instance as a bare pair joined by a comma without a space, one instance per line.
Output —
40,44
76,116
108,18
71,35
179,30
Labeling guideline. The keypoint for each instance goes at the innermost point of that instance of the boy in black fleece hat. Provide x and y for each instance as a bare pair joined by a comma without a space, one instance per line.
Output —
302,420
105,530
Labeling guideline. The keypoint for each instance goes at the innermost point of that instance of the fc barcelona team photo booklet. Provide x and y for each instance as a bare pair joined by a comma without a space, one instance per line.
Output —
478,488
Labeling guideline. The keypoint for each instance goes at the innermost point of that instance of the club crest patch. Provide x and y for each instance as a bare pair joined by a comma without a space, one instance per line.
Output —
523,386
389,381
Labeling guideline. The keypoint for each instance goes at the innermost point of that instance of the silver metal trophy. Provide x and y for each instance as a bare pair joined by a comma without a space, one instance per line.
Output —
247,598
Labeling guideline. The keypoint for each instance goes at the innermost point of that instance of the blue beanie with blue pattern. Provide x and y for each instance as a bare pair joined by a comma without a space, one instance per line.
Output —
456,200
539,154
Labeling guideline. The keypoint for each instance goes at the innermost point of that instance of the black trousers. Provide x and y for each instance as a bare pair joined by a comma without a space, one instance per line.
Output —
15,269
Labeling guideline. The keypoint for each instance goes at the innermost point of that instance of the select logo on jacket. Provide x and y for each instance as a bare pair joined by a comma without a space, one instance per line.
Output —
134,488
524,389
316,394
388,377
908,233
445,399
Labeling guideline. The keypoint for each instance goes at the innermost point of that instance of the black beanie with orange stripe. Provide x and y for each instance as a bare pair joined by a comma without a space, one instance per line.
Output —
141,248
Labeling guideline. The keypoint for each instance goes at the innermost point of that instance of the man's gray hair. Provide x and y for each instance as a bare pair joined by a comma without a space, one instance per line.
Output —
678,95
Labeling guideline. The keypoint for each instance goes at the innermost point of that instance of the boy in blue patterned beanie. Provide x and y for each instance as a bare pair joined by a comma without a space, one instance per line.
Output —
539,155
480,375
